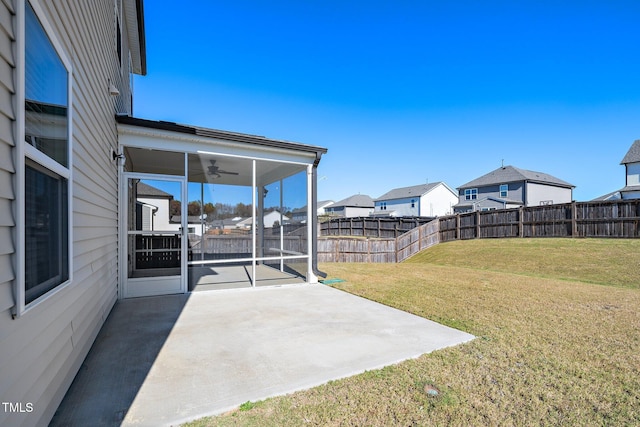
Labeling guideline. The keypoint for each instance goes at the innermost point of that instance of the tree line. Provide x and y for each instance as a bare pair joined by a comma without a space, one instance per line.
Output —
218,210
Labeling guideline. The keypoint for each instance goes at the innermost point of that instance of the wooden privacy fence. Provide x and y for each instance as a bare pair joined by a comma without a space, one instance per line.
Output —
578,219
354,249
371,227
620,219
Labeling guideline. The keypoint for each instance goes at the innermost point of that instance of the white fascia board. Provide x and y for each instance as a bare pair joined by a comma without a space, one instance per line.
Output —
134,136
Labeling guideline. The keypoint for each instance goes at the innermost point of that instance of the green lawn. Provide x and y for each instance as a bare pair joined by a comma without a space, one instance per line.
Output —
558,327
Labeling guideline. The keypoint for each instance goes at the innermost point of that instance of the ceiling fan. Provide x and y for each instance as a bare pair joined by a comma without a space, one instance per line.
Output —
215,171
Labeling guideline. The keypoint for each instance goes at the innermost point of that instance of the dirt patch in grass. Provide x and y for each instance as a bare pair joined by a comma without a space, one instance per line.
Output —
550,350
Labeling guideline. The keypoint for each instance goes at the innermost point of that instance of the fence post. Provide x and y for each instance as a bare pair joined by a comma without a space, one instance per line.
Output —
477,224
395,249
458,227
574,219
521,221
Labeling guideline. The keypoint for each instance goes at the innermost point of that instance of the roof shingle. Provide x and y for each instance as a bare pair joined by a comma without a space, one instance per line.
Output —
506,174
405,192
633,155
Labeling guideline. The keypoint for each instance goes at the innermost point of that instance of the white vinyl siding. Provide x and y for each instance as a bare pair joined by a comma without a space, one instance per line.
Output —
438,201
41,351
7,169
547,194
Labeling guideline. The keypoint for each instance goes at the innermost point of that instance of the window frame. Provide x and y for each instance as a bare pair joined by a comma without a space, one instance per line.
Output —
118,32
504,190
471,194
25,153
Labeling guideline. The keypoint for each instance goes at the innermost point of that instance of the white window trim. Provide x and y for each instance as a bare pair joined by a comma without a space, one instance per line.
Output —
24,151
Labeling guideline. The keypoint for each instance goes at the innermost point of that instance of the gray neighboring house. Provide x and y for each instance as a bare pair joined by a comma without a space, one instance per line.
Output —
351,207
428,200
631,190
300,214
511,187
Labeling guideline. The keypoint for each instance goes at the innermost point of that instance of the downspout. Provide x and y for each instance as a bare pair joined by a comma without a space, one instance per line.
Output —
312,217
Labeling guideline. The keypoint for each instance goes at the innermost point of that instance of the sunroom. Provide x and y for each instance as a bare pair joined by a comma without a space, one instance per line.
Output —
204,209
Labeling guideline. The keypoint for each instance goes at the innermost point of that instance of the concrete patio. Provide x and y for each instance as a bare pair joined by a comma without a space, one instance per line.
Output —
171,359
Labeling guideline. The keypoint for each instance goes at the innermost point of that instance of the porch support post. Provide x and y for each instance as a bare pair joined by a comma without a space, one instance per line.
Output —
281,225
260,220
254,224
311,227
184,235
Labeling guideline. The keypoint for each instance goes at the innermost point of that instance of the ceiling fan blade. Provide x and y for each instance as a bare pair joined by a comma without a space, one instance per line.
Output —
227,172
216,171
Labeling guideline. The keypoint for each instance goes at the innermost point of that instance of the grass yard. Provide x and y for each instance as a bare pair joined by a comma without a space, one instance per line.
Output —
558,327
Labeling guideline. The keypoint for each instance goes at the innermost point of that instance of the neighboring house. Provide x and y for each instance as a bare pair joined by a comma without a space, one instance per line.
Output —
300,214
428,200
153,212
511,187
236,223
351,207
196,226
269,219
70,158
154,205
631,190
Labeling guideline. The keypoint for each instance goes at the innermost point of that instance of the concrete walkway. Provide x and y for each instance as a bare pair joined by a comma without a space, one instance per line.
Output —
171,359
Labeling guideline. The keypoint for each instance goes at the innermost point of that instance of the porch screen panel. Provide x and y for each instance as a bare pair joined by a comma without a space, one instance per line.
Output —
220,221
282,225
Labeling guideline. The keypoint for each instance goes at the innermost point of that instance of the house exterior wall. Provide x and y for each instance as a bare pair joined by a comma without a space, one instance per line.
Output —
539,193
633,174
42,350
515,192
400,207
627,195
348,211
354,211
437,202
7,168
161,217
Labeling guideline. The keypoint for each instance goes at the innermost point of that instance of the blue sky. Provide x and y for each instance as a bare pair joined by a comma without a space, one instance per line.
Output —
406,92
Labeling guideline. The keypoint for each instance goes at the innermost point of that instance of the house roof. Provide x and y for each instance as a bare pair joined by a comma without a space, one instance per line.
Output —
220,134
146,190
507,174
495,199
633,155
355,201
405,192
191,219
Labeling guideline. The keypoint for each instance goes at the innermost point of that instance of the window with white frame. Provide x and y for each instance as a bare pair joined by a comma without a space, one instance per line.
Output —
413,203
47,163
504,190
471,194
383,206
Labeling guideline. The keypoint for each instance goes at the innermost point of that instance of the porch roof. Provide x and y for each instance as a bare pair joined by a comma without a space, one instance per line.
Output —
221,134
